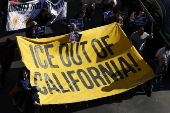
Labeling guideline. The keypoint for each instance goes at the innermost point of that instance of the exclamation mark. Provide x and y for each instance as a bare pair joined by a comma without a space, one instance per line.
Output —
134,62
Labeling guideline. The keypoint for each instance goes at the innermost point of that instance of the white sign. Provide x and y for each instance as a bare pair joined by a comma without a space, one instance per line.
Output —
20,13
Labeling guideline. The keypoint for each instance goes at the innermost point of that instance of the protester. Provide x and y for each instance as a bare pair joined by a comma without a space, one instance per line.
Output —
164,50
43,17
71,28
25,86
159,67
108,5
30,31
115,18
132,18
89,8
4,12
138,39
6,57
82,14
32,100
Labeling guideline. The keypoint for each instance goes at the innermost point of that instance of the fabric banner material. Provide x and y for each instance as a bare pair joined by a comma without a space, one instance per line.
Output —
102,64
20,13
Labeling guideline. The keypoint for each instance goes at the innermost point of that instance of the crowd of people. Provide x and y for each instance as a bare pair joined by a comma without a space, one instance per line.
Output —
26,96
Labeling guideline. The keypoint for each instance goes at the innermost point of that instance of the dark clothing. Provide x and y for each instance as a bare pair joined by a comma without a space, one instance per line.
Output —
23,84
5,69
107,7
29,32
42,21
154,65
7,52
30,106
20,96
6,57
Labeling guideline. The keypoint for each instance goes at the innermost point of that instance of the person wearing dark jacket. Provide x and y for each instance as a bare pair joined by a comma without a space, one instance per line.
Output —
43,17
24,84
159,67
6,58
32,100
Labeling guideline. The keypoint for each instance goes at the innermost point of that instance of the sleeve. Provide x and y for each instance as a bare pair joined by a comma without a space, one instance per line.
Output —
131,18
158,53
131,37
148,36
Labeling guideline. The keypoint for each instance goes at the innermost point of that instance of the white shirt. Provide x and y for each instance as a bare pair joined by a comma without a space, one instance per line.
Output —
165,52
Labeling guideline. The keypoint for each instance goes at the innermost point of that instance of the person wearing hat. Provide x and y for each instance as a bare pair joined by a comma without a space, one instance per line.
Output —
32,100
29,30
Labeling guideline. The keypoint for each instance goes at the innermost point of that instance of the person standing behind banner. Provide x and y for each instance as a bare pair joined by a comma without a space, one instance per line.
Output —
82,14
43,17
108,5
6,58
139,14
24,84
159,67
30,31
70,28
115,18
166,51
32,101
138,39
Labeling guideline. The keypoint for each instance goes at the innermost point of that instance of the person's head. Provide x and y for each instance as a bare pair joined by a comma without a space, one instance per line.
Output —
162,59
72,27
44,11
141,31
167,47
23,74
35,89
140,12
82,14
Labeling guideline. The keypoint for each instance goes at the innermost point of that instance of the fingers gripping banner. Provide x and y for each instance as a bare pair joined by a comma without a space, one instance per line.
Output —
104,63
20,13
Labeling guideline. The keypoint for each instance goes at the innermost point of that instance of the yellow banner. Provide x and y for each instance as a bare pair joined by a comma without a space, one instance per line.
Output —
103,63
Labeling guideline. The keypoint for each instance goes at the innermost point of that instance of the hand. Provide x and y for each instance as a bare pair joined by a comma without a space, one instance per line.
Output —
156,75
151,34
40,104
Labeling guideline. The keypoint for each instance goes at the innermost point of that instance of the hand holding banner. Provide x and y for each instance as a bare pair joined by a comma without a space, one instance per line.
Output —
101,65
